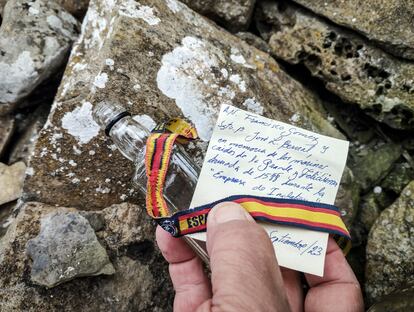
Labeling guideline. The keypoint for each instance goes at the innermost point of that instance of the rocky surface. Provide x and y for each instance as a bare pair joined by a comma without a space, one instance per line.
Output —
350,67
160,59
75,7
35,37
66,248
390,248
140,281
233,14
27,129
372,162
387,22
7,126
11,181
347,198
399,302
156,74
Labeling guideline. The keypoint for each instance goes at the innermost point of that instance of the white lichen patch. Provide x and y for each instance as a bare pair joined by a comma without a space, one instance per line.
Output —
174,5
240,83
100,80
110,62
253,106
80,124
56,24
188,75
236,57
136,87
146,121
133,9
295,118
14,76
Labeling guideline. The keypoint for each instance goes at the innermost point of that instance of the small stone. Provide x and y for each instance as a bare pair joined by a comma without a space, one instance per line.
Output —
390,248
35,37
233,14
11,181
66,248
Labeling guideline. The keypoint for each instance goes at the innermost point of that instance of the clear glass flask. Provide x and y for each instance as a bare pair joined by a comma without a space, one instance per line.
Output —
130,138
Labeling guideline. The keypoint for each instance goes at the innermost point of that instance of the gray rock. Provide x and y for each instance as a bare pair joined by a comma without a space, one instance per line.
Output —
132,61
402,301
7,127
233,14
400,175
35,36
254,40
140,282
11,181
390,248
387,22
75,7
66,248
2,4
28,128
347,199
350,66
373,161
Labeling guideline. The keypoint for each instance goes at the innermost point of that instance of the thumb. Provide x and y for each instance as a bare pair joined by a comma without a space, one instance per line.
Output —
245,274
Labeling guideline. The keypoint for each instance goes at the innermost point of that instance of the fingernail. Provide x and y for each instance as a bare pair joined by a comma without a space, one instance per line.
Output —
229,211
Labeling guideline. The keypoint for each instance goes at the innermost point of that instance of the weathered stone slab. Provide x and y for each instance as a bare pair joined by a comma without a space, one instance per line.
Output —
235,15
140,281
159,59
388,22
11,181
350,66
35,37
66,248
390,249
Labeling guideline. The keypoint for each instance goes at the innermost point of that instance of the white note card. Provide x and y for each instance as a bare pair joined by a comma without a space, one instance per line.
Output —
252,155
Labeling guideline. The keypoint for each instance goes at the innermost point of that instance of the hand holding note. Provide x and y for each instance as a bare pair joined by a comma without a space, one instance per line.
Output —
245,274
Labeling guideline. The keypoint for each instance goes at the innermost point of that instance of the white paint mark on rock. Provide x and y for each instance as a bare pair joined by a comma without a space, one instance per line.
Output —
100,80
253,106
146,121
133,9
80,124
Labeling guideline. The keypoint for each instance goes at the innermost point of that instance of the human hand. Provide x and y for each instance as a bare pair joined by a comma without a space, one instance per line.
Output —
245,275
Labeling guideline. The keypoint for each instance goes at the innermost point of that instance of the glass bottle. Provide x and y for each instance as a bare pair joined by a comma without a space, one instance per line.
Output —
130,138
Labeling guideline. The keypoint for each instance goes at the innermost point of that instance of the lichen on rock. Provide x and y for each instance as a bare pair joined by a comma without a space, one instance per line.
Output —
390,248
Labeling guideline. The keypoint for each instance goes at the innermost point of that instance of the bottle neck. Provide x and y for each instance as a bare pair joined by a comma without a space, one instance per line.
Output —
130,137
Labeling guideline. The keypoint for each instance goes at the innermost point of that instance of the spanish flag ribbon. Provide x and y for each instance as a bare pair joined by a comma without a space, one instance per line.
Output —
298,213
